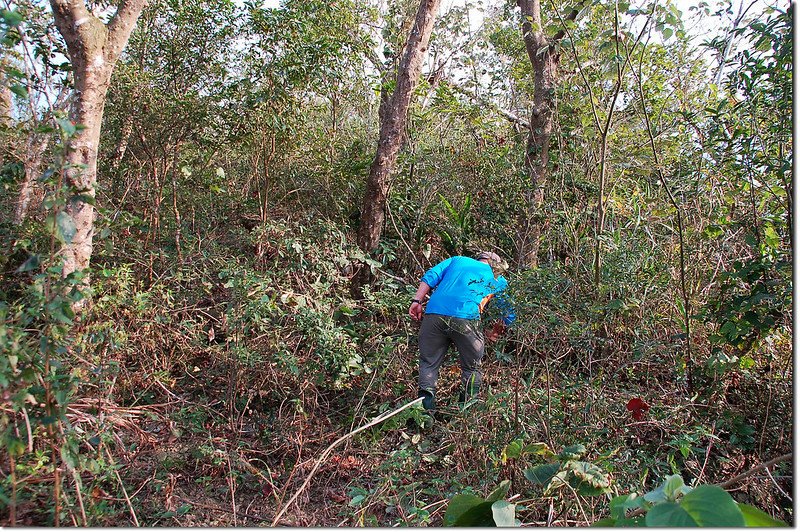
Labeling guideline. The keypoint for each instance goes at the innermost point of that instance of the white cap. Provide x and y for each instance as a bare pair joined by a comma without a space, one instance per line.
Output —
494,260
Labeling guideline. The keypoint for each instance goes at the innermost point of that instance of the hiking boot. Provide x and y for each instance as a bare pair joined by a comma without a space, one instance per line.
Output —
428,401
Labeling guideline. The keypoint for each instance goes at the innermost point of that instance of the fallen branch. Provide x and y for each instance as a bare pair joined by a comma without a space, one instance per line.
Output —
731,482
765,465
379,419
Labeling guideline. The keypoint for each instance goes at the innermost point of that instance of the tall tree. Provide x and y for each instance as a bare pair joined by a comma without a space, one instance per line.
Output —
544,57
94,48
393,115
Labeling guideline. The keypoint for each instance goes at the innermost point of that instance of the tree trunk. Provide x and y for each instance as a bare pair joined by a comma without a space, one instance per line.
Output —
393,116
6,100
34,152
93,50
545,60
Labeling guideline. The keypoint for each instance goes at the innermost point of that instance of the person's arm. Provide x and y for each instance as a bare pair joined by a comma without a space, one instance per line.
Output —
415,311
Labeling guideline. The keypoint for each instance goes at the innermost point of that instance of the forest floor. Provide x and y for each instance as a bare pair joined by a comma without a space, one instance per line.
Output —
187,460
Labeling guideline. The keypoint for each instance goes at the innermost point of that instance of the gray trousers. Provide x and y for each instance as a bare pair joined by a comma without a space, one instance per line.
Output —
436,334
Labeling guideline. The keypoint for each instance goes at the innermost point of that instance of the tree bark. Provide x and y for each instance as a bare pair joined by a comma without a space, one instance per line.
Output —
93,49
545,61
393,115
6,100
34,152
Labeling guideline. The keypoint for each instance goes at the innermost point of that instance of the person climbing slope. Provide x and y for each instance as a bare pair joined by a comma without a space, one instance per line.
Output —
462,287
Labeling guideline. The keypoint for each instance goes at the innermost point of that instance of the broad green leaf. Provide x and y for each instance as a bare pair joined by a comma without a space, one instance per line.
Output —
459,505
33,263
19,90
65,227
542,474
668,490
668,514
512,450
500,491
712,506
539,449
621,504
479,515
573,452
557,481
606,522
632,522
503,513
753,517
590,474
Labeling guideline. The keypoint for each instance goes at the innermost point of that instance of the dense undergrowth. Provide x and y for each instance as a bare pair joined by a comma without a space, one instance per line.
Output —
202,392
199,372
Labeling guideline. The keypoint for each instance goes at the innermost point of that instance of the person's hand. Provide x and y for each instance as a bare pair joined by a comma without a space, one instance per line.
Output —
498,329
415,311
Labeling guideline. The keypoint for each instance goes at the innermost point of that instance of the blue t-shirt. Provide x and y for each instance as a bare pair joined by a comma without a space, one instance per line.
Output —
462,287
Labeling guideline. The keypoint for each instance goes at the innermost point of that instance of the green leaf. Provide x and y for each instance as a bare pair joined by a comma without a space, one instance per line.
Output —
33,263
469,510
753,517
19,90
573,452
635,521
669,490
61,312
771,237
69,455
668,514
68,127
65,227
480,515
512,450
503,513
500,491
15,446
460,505
621,504
12,18
542,474
712,506
590,473
538,449
606,522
